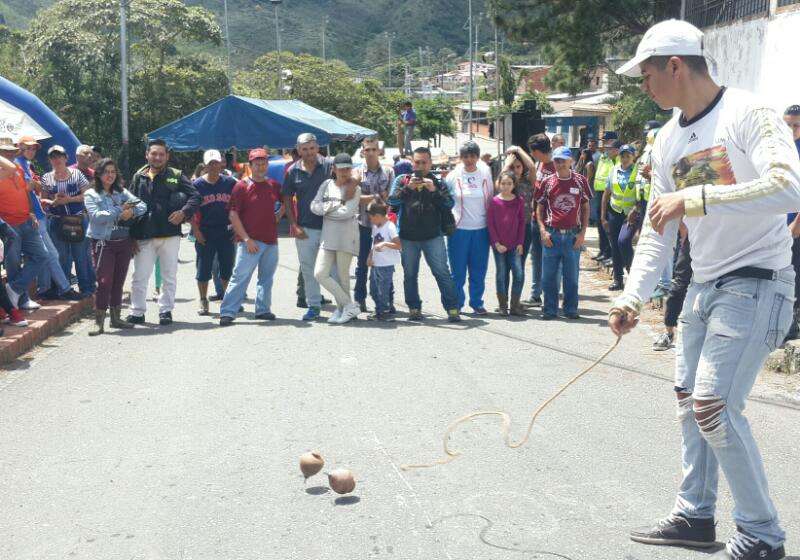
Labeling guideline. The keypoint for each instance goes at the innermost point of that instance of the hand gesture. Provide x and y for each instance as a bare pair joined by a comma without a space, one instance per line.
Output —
622,321
177,218
579,239
299,232
500,248
252,247
667,207
547,241
519,250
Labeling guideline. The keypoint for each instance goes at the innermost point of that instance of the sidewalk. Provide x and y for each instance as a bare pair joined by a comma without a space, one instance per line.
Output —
42,323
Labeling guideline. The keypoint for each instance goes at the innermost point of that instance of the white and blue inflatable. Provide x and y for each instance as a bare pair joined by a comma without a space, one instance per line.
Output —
24,114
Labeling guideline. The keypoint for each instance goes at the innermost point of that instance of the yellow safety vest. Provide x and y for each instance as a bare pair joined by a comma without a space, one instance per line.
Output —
623,197
604,166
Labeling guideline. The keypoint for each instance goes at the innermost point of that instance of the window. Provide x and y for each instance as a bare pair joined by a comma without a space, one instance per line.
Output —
704,13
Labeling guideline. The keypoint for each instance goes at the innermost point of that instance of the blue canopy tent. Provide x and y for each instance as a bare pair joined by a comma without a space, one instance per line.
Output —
22,113
244,123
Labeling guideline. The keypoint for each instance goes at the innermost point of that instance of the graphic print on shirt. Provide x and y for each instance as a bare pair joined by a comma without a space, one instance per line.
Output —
711,166
564,203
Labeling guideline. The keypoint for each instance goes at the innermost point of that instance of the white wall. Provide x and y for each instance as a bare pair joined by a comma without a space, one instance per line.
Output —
759,55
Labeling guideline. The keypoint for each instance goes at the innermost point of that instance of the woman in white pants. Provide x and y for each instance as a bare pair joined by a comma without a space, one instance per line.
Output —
337,202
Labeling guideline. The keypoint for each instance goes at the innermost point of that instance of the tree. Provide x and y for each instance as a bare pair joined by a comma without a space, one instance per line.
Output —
577,34
11,54
632,111
542,103
508,85
435,116
73,64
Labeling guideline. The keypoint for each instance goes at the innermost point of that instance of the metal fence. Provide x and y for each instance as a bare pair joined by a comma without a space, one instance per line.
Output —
704,13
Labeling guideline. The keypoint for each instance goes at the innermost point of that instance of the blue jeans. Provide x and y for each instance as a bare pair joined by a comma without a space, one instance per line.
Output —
436,257
365,245
78,253
266,261
408,136
307,250
468,250
621,238
564,254
28,242
726,330
594,214
536,261
380,287
508,263
51,272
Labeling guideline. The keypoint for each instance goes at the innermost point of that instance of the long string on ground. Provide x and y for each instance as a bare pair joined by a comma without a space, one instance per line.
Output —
452,454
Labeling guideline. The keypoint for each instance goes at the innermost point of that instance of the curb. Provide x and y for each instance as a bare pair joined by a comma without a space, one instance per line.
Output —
49,319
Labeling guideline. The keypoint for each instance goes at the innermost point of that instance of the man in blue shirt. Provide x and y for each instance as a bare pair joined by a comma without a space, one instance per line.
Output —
409,118
792,118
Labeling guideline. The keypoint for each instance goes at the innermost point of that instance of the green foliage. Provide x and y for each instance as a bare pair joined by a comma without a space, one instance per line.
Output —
11,54
542,103
508,85
73,65
632,110
435,116
576,34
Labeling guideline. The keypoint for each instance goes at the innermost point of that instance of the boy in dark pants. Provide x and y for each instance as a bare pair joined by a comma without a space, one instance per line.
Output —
384,256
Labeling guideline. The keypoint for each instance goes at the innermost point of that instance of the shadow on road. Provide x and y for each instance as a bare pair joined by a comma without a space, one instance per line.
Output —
317,490
346,500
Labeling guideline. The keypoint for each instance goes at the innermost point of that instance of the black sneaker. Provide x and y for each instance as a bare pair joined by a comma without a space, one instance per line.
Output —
324,301
678,530
135,319
70,295
165,318
533,301
215,297
453,315
48,295
415,315
301,303
616,287
263,316
392,309
743,546
385,317
547,317
225,321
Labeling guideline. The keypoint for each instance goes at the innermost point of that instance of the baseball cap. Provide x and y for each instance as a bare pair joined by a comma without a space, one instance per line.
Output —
56,149
257,153
627,148
610,135
342,161
562,153
211,155
668,38
7,144
616,144
28,141
305,138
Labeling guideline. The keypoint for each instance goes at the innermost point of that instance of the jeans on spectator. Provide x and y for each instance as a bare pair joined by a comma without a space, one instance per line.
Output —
307,250
78,253
727,329
468,250
51,273
621,238
111,261
681,278
29,242
218,247
218,289
436,257
381,288
365,245
266,261
526,248
594,211
536,261
563,253
166,250
508,264
408,136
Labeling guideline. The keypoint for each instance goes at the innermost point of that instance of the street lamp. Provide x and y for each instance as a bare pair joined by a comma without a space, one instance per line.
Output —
228,45
123,46
275,4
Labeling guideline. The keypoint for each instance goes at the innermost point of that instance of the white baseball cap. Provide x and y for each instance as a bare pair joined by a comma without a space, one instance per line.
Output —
668,38
211,155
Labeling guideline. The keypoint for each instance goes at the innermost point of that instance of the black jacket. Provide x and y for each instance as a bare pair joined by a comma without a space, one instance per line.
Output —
168,192
420,213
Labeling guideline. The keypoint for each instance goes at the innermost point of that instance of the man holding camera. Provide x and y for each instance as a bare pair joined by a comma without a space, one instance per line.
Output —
171,200
423,205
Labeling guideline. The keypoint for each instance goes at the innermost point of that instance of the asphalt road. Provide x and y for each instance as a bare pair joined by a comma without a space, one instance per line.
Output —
182,442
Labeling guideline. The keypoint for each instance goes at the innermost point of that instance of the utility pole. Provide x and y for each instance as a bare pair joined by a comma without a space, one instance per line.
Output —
276,3
390,36
324,28
123,44
497,87
228,46
471,71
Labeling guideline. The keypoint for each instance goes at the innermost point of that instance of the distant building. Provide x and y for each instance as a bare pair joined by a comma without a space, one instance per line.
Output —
530,78
752,43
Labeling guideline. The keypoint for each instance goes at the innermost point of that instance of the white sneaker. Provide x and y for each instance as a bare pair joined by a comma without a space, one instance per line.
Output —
13,296
335,317
350,312
30,305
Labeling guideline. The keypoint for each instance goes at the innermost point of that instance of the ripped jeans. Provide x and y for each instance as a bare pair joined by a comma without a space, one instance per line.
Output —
727,329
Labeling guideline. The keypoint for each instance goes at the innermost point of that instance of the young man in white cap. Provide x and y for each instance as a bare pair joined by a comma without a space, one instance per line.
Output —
212,227
726,165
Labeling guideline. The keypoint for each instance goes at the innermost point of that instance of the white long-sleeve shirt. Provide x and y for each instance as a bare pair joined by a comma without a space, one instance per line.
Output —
737,168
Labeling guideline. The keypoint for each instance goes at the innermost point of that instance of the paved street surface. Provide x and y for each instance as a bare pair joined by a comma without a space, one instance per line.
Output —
182,442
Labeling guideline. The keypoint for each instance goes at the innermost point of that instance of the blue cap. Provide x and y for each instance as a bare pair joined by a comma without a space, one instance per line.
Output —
562,153
610,135
627,148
